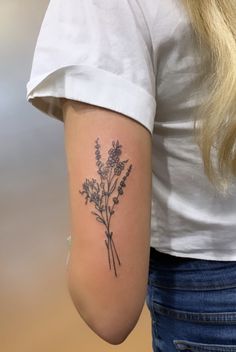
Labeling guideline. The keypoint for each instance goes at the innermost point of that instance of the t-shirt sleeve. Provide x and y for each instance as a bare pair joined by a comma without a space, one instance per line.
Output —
97,52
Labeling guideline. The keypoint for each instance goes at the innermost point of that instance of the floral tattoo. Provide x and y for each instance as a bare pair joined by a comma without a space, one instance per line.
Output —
100,193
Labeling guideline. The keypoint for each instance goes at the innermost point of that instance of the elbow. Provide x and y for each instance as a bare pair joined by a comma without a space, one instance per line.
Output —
115,340
116,329
111,326
110,316
112,337
112,332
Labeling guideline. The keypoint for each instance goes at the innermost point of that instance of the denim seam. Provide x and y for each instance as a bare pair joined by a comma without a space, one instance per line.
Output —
210,318
189,287
181,345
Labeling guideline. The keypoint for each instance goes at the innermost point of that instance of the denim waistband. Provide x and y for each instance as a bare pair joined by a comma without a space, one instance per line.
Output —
173,272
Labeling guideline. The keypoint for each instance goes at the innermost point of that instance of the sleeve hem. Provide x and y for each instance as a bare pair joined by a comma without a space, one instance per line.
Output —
94,86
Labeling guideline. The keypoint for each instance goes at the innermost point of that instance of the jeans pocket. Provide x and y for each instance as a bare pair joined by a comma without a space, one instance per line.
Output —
188,346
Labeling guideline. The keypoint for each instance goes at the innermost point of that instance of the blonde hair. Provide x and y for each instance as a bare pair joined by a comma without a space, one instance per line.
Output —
214,23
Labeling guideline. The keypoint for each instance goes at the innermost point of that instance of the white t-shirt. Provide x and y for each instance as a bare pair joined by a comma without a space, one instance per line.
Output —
138,57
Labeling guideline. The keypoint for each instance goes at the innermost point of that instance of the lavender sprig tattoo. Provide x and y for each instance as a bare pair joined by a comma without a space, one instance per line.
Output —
100,193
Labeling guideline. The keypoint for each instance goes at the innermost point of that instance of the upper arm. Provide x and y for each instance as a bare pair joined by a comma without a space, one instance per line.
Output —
102,54
108,266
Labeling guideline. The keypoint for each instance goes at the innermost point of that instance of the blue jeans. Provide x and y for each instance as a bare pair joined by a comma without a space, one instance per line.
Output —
192,303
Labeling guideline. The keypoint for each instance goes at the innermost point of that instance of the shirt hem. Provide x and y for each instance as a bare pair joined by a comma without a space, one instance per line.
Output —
204,256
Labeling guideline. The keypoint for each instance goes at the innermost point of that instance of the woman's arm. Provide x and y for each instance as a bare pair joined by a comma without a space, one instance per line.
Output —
109,172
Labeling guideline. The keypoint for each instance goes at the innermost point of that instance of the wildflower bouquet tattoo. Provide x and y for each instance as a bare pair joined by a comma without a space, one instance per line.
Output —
100,193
